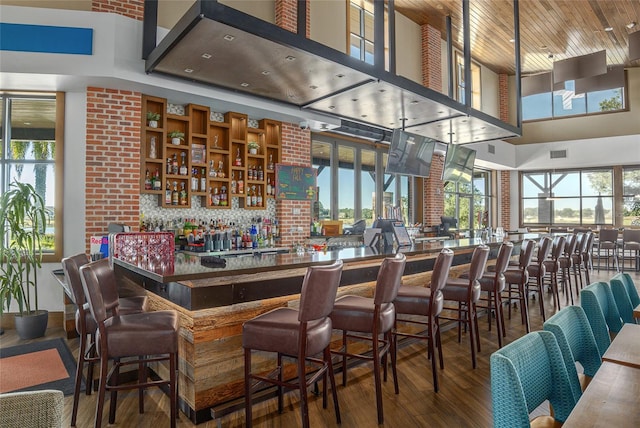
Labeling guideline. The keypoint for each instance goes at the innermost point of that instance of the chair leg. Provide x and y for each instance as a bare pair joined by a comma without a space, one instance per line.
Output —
524,307
114,392
279,387
332,379
439,343
497,304
472,334
247,387
173,387
142,377
376,375
430,350
102,389
304,409
539,284
79,370
344,358
92,354
392,351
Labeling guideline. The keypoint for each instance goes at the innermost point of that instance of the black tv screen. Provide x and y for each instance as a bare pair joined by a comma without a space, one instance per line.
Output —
410,154
458,164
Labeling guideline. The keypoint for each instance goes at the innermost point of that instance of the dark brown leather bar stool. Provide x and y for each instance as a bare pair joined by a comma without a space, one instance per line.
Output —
466,291
577,258
149,336
566,265
537,269
493,283
86,325
631,243
373,316
517,278
552,266
426,302
608,242
296,333
587,256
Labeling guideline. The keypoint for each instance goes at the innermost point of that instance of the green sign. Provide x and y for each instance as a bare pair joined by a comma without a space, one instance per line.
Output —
295,182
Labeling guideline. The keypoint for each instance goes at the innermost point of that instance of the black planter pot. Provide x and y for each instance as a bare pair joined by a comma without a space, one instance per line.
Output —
32,326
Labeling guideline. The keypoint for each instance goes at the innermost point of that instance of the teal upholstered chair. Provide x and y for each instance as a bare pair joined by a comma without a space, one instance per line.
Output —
626,296
577,343
524,374
602,312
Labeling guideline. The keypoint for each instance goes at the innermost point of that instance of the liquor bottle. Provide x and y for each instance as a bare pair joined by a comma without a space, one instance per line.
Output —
238,161
147,180
255,172
183,194
183,165
169,163
254,198
270,165
167,195
175,195
194,179
259,197
203,180
215,199
240,184
268,187
248,200
221,172
249,173
212,170
260,173
223,196
157,184
174,164
234,184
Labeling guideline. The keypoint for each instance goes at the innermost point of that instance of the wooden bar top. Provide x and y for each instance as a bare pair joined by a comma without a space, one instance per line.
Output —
625,347
636,312
612,399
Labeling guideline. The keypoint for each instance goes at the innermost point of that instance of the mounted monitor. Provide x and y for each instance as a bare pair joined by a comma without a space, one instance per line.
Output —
458,164
410,154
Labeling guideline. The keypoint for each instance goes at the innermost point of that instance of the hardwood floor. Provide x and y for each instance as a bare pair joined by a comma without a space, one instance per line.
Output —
464,398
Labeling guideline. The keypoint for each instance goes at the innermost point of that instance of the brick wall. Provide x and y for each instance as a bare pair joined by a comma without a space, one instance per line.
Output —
296,150
113,159
287,15
504,176
131,8
433,193
431,58
503,87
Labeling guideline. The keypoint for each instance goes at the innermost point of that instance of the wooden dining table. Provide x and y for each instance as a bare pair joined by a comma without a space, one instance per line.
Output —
636,312
612,399
625,347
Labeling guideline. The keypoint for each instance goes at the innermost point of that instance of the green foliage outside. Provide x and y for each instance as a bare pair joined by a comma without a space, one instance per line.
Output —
613,103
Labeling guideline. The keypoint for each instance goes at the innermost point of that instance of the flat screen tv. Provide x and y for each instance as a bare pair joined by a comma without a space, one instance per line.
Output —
458,164
410,154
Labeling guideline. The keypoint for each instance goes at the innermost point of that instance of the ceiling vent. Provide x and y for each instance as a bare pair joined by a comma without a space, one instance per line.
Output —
492,149
558,154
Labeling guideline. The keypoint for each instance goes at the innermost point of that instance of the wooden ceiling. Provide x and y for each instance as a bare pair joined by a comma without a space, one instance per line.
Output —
550,30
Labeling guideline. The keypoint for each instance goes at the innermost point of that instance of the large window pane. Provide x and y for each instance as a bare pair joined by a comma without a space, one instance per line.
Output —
631,200
388,195
566,102
597,183
565,183
346,178
368,185
534,185
405,199
606,100
565,211
530,211
537,106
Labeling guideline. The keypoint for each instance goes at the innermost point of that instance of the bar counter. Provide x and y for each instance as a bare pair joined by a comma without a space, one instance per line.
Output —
214,302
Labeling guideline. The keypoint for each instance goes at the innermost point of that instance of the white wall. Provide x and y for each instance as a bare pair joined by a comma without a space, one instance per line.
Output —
408,49
329,23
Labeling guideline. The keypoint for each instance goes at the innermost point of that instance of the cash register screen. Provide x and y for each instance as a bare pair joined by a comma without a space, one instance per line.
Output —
402,236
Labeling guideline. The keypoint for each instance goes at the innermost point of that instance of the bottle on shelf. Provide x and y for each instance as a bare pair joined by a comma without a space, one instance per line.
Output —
270,165
240,184
212,170
183,165
221,173
175,197
194,179
215,197
174,164
147,180
268,187
259,197
183,194
249,173
223,196
234,183
254,198
153,154
157,183
167,194
238,161
203,180
248,200
169,165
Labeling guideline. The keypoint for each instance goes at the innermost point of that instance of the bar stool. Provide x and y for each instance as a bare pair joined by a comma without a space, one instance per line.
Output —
466,291
300,334
518,277
552,266
86,325
372,316
426,302
149,336
566,265
537,269
608,241
587,256
577,258
631,243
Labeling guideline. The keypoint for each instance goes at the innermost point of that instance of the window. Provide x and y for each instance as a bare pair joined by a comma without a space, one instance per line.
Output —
476,85
631,196
565,102
361,31
572,198
31,152
350,182
465,201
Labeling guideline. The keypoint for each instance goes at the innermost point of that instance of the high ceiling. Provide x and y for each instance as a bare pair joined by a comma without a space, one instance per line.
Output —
550,30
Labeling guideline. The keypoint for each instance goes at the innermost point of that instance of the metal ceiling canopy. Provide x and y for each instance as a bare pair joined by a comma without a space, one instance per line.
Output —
221,46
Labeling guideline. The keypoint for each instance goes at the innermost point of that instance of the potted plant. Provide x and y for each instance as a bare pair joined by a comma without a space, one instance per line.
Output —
176,137
253,147
153,119
22,228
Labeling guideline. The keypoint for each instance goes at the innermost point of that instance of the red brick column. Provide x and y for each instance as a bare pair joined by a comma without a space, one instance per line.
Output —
113,159
296,150
433,193
503,87
287,15
131,8
505,176
431,58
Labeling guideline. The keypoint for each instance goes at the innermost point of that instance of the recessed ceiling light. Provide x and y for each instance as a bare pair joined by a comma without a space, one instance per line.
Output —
392,123
313,87
188,70
339,76
290,58
27,123
364,115
206,55
354,99
382,90
608,29
543,47
414,102
332,107
228,37
512,40
440,112
631,25
266,72
244,84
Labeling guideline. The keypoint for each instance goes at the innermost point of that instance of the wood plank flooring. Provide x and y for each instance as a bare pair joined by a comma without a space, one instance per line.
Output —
464,398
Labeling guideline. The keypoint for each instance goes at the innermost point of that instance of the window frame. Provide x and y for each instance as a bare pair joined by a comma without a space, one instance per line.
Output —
476,87
486,194
6,97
